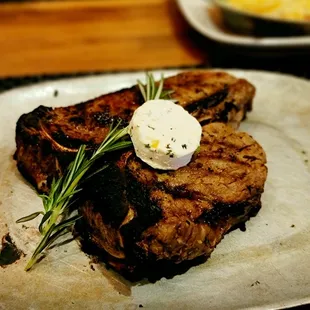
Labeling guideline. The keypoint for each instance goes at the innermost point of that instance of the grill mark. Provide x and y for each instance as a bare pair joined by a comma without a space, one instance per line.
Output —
227,158
225,144
182,191
208,102
251,158
211,169
221,116
228,107
227,148
179,191
221,211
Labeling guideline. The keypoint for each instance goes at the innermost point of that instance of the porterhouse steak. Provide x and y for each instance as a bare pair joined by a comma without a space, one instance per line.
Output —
47,138
140,219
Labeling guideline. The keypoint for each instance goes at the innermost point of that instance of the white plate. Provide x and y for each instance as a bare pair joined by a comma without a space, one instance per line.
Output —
197,13
267,266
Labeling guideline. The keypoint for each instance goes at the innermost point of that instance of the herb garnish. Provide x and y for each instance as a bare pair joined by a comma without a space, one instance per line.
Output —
184,146
197,150
170,153
151,91
56,215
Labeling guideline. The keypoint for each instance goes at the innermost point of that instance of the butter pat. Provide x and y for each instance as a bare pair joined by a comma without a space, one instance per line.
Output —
164,135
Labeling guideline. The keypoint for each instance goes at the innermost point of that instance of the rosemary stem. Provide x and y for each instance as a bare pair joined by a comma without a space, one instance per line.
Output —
39,248
30,263
33,258
53,218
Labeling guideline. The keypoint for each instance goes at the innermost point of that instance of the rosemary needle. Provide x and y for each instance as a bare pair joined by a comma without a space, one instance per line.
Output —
151,91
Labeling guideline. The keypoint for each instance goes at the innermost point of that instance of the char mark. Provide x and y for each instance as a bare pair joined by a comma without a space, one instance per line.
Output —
208,102
66,141
221,211
147,211
106,191
221,116
104,119
78,120
32,120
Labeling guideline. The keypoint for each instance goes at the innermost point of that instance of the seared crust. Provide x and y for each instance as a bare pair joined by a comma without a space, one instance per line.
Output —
47,139
178,215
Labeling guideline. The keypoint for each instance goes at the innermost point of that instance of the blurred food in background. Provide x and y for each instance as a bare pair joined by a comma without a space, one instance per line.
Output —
297,10
266,18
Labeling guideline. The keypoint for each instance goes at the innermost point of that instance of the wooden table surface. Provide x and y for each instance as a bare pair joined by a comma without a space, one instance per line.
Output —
71,36
52,37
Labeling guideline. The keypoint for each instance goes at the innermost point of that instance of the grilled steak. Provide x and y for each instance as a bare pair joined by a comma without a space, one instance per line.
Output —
47,139
145,218
141,220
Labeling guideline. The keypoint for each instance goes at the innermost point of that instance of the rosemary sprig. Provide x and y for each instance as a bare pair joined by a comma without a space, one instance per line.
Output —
151,91
56,216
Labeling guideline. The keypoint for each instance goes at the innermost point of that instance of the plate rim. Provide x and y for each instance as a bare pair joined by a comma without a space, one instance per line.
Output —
54,83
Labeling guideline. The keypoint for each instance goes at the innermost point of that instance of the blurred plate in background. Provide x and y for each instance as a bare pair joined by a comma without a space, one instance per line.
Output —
207,19
264,18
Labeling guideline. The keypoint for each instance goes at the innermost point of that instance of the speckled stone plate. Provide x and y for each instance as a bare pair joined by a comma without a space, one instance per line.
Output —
267,266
